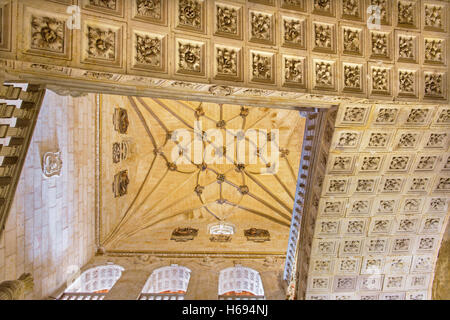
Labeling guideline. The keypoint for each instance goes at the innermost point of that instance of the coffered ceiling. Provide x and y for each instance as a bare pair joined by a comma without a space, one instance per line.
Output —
384,204
291,50
161,196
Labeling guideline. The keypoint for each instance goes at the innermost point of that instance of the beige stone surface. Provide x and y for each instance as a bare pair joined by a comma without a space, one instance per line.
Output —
154,206
204,275
51,223
384,204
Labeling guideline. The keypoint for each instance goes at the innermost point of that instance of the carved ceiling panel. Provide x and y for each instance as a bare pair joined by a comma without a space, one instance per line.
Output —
240,44
384,204
146,193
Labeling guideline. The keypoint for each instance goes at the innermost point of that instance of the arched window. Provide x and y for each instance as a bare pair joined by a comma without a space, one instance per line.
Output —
167,283
94,283
240,283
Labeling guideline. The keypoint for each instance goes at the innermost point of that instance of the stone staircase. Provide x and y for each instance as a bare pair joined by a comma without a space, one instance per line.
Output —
19,110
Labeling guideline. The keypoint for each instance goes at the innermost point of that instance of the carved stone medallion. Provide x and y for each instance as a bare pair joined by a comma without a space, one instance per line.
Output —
52,164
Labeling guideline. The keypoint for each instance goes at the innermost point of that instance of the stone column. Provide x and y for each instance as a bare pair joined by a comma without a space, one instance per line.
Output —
129,286
272,285
203,285
16,289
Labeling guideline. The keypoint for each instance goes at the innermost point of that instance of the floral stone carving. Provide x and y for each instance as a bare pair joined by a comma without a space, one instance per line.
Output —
324,74
149,51
384,6
149,8
323,7
406,13
433,17
120,151
190,57
323,37
108,4
434,86
352,41
101,43
406,82
380,44
406,48
47,34
227,61
294,71
351,9
261,27
380,80
190,14
352,77
52,164
294,33
227,21
434,50
262,67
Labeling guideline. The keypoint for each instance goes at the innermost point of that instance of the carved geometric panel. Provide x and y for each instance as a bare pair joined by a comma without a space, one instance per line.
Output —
382,168
380,81
295,71
435,84
154,11
150,51
46,34
102,43
352,41
293,32
435,17
407,82
262,67
324,37
353,77
227,63
434,51
407,47
324,74
385,116
407,14
385,10
353,10
298,5
261,27
380,44
191,15
112,7
190,57
324,7
228,21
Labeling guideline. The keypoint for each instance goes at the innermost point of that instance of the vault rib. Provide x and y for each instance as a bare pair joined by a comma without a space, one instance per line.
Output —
173,113
264,188
141,117
124,217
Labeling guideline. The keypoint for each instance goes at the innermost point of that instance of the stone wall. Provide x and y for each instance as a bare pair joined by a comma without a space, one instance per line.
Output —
51,223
